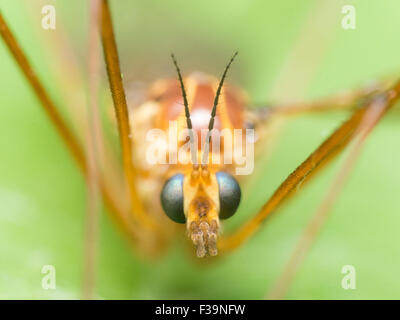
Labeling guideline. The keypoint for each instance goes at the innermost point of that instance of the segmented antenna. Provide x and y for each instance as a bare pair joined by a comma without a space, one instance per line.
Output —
187,113
214,112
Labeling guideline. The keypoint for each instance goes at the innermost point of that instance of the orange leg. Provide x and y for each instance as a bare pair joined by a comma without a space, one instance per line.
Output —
134,221
121,111
348,99
317,221
344,100
331,147
70,140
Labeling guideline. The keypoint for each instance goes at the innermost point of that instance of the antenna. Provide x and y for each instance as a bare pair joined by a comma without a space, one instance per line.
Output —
187,113
214,111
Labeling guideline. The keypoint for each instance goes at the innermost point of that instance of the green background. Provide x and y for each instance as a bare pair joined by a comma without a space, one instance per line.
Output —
42,194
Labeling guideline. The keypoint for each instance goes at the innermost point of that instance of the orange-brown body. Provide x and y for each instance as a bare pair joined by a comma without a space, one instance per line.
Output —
165,105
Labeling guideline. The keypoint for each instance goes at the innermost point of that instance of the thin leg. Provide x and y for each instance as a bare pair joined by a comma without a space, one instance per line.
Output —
342,101
67,136
267,120
49,107
371,118
121,111
69,76
322,155
306,52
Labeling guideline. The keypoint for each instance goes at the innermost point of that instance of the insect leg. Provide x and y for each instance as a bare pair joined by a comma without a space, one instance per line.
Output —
63,130
344,100
314,226
331,147
121,111
69,76
350,99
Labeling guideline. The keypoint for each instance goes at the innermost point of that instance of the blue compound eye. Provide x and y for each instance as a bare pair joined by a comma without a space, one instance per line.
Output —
229,194
172,198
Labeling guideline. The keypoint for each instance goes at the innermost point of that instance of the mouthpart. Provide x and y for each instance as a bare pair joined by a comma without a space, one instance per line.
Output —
204,237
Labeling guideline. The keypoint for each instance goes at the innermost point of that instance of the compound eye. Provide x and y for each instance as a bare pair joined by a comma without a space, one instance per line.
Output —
172,198
229,194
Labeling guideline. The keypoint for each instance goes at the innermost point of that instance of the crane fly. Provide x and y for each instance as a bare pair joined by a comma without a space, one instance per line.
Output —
160,201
